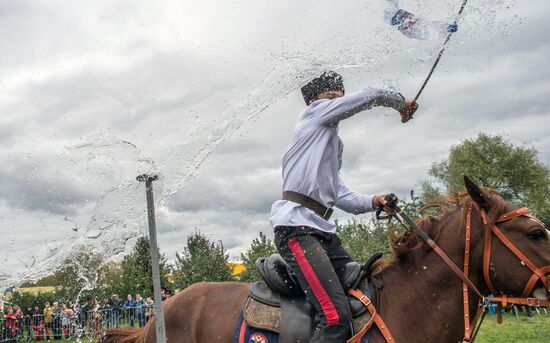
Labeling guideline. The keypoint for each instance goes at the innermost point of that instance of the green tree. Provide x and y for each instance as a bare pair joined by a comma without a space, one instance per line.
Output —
136,270
77,273
201,260
260,247
362,238
515,172
26,300
112,280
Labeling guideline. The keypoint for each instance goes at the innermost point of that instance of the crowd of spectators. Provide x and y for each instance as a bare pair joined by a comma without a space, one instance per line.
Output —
57,321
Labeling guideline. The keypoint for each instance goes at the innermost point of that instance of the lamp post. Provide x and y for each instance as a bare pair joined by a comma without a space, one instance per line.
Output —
158,313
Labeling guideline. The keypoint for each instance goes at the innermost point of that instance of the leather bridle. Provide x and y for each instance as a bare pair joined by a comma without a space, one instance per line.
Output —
500,298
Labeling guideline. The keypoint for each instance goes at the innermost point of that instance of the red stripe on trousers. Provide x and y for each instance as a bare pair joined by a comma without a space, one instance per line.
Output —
326,304
242,332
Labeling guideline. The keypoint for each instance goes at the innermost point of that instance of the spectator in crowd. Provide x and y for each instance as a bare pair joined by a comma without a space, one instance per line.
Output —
56,325
75,328
130,307
86,312
163,293
28,322
76,315
149,303
116,304
11,323
19,320
39,329
65,321
76,308
140,310
48,319
105,309
36,315
95,320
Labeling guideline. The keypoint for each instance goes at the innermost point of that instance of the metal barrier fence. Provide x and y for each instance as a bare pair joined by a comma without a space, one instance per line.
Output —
62,326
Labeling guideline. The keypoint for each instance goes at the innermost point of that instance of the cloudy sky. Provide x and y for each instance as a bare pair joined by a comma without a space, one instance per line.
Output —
206,95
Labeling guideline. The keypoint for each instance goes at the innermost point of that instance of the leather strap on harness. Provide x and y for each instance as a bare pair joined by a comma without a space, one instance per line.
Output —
467,328
375,319
321,210
502,300
538,273
490,228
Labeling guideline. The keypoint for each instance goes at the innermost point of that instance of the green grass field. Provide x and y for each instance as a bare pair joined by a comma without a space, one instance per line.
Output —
513,330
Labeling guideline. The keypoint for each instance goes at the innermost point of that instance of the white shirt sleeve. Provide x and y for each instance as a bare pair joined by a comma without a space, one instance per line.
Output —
352,202
330,112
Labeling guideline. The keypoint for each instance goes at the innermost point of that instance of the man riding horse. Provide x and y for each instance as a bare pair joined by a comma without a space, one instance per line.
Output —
312,186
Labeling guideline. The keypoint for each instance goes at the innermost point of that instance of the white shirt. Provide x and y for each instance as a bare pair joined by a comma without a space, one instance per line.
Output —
313,159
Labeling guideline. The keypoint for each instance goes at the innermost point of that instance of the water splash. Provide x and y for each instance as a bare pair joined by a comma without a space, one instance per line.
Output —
94,185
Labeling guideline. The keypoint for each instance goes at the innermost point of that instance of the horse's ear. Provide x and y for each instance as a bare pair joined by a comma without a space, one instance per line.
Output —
482,198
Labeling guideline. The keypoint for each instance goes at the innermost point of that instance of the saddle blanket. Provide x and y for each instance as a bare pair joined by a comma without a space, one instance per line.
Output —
247,334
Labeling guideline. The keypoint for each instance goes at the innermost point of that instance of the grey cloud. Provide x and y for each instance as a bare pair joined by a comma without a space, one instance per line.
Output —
234,228
29,187
163,77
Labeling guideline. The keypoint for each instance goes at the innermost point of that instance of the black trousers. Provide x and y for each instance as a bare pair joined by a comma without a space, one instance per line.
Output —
317,257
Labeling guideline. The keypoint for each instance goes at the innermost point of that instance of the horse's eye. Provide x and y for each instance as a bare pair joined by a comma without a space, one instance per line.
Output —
537,235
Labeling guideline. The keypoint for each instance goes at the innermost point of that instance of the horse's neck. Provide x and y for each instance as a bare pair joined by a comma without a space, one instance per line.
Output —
422,300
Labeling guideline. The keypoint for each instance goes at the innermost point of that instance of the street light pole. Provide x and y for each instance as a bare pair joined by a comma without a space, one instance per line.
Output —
158,313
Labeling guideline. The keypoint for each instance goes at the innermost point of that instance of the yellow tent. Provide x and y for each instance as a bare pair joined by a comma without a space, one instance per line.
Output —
236,267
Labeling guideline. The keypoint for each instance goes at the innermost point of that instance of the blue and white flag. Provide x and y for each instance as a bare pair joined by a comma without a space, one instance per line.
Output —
415,27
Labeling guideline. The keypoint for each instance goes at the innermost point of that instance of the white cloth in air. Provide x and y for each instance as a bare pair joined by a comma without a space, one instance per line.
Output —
416,27
313,159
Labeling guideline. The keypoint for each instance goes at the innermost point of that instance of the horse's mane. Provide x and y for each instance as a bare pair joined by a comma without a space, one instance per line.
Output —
404,244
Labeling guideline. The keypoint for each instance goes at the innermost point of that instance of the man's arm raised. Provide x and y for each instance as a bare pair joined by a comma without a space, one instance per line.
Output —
330,112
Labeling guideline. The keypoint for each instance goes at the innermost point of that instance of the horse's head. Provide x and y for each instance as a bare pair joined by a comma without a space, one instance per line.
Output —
516,249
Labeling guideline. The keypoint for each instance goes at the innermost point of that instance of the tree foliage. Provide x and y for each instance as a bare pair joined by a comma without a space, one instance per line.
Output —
75,276
136,270
87,276
26,300
260,247
77,273
515,172
113,281
201,260
362,238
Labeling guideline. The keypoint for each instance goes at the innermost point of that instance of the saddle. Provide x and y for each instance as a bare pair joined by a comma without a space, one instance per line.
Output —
277,303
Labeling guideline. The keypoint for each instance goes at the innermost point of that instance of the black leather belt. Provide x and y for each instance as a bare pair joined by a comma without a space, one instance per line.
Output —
321,210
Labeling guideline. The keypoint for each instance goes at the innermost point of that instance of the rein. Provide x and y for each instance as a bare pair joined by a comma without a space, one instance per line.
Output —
502,300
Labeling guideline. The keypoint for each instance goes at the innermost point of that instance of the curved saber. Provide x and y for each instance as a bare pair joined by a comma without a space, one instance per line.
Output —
437,59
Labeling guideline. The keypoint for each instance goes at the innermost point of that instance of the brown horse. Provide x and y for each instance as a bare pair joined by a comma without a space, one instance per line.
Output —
421,299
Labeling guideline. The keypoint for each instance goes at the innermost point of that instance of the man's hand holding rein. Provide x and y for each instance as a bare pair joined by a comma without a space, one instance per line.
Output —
387,202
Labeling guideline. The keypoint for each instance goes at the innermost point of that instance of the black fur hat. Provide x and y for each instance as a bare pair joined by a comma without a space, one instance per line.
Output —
329,80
